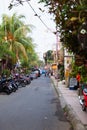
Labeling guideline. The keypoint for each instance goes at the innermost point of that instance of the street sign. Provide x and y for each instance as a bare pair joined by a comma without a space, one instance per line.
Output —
54,66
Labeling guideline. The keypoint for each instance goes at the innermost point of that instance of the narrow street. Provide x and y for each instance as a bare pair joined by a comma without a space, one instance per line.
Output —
34,107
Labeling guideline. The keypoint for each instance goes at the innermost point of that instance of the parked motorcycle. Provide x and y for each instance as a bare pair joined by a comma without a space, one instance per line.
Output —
83,98
12,84
5,86
27,79
20,81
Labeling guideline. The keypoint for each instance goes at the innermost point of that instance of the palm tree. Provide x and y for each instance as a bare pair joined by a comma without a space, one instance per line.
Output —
14,36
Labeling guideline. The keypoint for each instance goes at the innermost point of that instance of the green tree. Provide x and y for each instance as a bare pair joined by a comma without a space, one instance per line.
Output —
15,39
49,55
69,16
14,31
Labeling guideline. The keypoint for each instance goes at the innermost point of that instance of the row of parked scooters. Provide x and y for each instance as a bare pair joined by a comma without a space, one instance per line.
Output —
16,80
11,84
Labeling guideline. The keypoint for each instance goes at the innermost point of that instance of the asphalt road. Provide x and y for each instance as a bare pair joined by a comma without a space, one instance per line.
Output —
34,107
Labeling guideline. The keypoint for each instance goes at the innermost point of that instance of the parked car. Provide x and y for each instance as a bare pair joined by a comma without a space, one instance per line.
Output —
43,71
37,71
33,75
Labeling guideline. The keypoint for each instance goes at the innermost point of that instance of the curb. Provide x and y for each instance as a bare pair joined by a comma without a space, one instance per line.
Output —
71,115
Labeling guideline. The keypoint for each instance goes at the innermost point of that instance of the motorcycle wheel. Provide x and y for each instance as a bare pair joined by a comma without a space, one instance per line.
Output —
23,84
8,92
83,106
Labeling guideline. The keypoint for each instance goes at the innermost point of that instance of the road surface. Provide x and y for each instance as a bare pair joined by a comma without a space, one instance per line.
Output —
34,107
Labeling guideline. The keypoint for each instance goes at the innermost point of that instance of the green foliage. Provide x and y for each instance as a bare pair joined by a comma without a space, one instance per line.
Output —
69,16
83,71
84,79
24,64
14,42
6,72
5,52
49,56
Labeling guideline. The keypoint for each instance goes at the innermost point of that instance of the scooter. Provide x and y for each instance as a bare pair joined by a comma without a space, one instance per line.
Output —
83,101
4,86
12,84
84,104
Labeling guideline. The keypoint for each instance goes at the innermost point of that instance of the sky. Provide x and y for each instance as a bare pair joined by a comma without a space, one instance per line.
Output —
42,36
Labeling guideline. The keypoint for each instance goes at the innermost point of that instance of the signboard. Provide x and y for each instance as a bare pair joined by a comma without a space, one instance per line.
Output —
54,66
72,82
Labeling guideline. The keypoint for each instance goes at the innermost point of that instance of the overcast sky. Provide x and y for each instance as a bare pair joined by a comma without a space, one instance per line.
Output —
42,36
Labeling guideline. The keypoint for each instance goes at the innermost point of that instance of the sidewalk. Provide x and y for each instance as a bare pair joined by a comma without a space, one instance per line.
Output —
70,101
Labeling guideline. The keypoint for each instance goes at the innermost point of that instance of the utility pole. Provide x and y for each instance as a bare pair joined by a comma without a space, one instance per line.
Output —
57,48
56,34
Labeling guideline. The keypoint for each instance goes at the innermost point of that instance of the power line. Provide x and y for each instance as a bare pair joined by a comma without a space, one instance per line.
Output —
21,2
38,16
